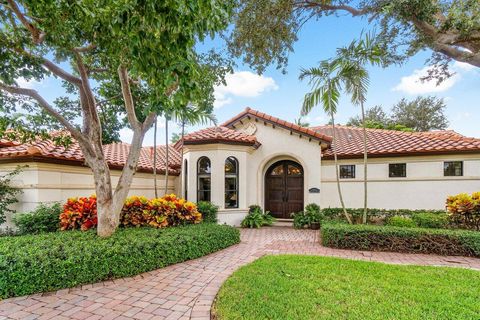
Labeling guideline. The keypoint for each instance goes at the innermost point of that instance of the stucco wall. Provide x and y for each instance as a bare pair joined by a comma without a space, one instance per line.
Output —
424,187
277,144
46,183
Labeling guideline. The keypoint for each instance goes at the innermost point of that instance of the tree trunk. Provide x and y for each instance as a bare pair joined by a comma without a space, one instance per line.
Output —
103,189
155,158
110,204
182,174
347,216
166,155
365,166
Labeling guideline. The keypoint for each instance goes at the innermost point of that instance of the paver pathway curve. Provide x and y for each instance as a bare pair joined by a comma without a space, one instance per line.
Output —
186,290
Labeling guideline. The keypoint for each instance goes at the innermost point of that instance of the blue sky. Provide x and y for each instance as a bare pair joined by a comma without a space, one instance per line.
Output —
281,94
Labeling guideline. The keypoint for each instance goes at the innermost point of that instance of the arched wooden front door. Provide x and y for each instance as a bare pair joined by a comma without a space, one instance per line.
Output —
284,189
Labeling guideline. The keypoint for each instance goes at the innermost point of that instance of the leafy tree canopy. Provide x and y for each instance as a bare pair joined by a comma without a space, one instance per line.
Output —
154,40
119,60
420,114
265,30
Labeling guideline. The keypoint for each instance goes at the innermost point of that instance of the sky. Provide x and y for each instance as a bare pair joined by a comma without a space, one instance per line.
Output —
281,95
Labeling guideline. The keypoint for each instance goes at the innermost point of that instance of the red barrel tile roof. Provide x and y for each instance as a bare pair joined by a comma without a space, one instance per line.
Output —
220,135
248,112
396,143
116,155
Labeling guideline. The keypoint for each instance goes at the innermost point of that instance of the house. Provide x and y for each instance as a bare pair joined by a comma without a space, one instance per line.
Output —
255,158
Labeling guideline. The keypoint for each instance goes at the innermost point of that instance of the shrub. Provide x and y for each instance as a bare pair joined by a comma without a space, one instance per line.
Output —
209,211
413,240
43,219
403,222
8,194
46,262
312,214
299,220
256,218
431,220
81,213
464,210
373,214
133,212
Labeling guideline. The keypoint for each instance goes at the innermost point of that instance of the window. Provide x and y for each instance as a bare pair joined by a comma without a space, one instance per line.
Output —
204,180
397,170
347,171
453,168
231,182
185,179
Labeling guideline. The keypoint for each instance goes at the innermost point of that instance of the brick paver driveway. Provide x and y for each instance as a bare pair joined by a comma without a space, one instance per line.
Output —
186,290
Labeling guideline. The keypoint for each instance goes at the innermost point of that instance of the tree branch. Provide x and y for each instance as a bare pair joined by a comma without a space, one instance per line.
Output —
44,104
128,98
88,47
52,67
327,7
445,43
89,105
37,35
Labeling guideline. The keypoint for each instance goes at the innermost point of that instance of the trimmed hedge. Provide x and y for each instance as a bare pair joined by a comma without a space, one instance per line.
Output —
337,213
46,262
398,239
399,221
431,220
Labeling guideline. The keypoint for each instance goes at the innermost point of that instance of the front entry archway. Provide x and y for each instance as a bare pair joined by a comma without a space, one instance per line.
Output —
284,189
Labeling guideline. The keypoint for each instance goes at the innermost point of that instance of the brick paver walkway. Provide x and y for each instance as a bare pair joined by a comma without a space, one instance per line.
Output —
187,290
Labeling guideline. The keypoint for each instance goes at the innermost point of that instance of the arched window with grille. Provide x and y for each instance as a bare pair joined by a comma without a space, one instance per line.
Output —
231,182
204,179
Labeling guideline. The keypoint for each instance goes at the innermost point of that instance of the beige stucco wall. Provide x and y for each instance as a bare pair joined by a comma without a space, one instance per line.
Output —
277,144
425,187
46,183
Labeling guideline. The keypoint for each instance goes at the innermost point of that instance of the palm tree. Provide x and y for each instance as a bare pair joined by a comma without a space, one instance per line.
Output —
353,74
326,91
155,157
188,115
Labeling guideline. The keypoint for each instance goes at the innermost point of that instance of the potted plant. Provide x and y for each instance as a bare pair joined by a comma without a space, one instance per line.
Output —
313,215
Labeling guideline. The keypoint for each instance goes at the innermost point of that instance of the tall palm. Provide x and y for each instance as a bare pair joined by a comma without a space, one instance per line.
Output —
355,78
325,91
167,153
155,157
189,115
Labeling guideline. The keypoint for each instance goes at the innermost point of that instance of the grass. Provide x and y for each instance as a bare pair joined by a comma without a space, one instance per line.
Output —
307,287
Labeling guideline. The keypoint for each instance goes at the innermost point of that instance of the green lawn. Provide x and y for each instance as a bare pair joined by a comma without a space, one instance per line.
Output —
307,287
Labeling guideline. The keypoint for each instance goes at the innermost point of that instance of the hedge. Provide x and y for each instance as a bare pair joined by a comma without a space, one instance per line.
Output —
51,261
398,239
334,213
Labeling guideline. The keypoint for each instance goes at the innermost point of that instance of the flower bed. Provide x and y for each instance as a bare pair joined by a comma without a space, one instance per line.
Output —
400,239
46,262
81,213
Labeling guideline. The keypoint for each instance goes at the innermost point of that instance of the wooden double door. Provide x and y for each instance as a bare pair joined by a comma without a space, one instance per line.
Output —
284,189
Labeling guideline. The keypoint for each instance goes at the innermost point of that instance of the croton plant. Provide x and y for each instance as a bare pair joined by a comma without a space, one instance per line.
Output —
81,213
464,209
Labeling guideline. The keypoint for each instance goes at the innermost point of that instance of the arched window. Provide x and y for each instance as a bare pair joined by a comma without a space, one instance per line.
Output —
204,181
185,179
231,182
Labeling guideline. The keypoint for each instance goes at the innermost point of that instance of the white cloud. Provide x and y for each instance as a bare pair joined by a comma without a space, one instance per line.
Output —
242,84
30,84
413,85
462,66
